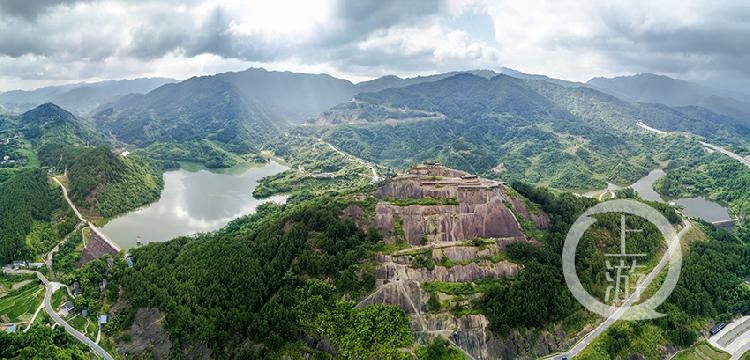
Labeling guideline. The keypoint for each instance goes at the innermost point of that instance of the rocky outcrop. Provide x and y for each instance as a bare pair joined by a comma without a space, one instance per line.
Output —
451,243
540,219
148,336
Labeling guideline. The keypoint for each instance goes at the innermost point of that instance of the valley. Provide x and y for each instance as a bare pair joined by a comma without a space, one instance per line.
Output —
239,234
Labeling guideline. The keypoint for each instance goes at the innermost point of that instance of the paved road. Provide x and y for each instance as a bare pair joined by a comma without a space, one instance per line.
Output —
717,148
72,206
71,330
727,153
80,217
350,157
590,337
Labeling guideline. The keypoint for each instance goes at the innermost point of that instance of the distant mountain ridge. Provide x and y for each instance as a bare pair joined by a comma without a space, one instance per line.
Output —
673,92
239,111
532,130
393,81
79,98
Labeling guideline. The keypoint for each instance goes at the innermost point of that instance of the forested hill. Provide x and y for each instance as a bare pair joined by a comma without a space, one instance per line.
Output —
530,130
49,124
103,184
33,216
284,283
672,92
237,111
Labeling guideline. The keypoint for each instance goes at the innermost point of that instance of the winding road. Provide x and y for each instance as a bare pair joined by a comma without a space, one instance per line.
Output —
50,288
726,152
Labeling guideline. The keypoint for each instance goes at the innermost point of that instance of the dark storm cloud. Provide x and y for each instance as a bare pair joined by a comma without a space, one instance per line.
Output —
214,36
30,9
360,18
712,43
370,38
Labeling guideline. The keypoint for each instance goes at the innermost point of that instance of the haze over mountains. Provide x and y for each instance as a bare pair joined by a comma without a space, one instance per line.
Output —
664,90
79,98
239,112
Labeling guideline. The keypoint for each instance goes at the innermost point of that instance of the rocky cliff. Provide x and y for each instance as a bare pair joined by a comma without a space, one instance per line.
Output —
451,229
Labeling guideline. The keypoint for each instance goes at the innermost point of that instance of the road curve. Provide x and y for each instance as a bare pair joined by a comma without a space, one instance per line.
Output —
591,336
71,330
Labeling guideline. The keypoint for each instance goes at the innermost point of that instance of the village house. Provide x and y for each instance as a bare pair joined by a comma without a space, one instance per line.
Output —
9,328
67,309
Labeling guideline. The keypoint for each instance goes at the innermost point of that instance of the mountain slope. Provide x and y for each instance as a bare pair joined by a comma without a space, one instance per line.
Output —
291,97
536,131
665,90
237,111
51,125
192,110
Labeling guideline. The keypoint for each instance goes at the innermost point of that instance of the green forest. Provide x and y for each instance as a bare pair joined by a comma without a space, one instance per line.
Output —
710,290
42,342
105,184
249,289
29,204
514,130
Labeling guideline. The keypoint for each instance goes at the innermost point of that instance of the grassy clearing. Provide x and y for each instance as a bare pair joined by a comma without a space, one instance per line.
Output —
59,297
701,351
460,288
19,305
624,338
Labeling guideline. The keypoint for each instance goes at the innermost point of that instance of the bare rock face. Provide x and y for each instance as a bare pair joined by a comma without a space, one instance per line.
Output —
442,251
449,223
540,219
95,248
149,338
480,207
463,273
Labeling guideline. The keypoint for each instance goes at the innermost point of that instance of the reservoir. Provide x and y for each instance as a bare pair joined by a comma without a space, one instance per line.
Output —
698,207
194,201
645,186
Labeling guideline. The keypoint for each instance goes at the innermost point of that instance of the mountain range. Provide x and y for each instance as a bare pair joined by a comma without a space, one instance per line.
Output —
672,92
356,267
79,98
481,114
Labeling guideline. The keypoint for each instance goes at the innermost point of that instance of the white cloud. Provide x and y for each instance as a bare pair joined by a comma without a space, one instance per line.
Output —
88,40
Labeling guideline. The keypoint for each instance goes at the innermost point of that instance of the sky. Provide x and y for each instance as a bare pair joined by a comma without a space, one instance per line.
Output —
45,42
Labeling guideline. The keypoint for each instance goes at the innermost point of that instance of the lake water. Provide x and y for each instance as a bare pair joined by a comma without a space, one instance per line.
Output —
705,209
193,202
699,207
645,185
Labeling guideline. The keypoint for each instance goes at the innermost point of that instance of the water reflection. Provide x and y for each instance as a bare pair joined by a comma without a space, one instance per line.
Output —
699,207
193,202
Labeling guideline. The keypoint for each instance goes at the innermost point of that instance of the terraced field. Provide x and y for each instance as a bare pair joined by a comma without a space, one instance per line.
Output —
701,351
19,305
